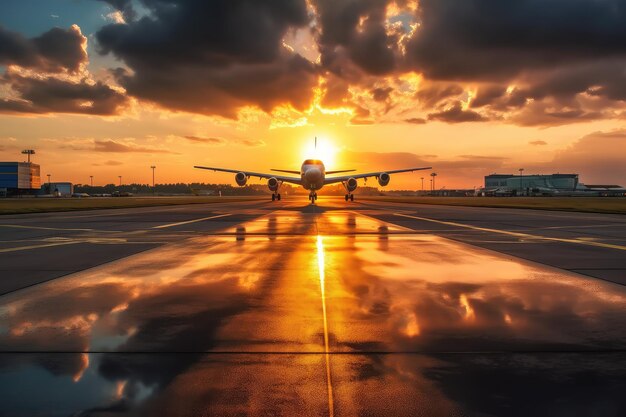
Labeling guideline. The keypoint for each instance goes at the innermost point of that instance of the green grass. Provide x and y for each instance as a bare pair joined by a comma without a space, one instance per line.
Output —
616,205
42,205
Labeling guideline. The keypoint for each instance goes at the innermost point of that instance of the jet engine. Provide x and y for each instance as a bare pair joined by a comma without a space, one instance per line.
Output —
241,179
383,179
351,184
272,184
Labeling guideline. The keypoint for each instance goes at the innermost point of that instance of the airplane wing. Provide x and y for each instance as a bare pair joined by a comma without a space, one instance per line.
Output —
334,180
291,180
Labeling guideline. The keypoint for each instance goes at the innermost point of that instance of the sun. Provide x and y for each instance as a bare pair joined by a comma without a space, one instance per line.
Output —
325,151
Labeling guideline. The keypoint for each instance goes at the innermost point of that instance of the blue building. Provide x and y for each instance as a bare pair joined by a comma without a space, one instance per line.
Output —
19,178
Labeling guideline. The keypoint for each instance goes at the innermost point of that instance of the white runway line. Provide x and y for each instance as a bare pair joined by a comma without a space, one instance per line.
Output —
163,226
518,234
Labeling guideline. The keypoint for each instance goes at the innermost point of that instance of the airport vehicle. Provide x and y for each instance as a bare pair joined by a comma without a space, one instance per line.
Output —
312,177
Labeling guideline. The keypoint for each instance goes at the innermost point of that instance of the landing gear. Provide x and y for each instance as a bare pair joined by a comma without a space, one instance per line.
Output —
276,197
312,197
349,197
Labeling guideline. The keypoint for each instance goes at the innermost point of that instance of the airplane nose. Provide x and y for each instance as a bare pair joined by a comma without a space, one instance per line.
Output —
313,175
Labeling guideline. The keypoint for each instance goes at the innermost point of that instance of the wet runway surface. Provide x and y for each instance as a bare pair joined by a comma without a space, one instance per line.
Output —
309,310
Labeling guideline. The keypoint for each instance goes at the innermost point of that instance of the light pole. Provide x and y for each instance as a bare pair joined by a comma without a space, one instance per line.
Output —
433,180
91,180
153,168
521,188
28,152
120,177
49,185
422,178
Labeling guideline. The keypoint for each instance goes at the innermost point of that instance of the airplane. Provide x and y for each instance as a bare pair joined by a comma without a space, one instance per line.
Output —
312,177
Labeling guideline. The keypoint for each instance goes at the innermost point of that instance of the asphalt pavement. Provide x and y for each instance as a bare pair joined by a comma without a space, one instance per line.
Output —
336,309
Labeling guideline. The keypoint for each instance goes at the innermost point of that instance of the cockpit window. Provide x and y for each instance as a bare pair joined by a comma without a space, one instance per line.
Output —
312,162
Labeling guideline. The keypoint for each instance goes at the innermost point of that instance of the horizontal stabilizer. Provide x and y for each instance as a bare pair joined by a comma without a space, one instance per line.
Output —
340,171
287,171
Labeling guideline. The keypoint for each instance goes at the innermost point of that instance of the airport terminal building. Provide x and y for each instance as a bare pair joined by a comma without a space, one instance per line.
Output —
545,185
19,178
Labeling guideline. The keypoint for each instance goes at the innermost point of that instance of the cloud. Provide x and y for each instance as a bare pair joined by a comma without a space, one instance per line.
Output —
213,57
597,157
356,33
125,7
381,93
118,147
531,63
54,51
457,41
53,95
208,141
456,114
251,142
537,142
416,120
431,95
221,141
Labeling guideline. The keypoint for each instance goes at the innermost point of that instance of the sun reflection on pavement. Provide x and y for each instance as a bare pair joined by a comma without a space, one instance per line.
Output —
322,274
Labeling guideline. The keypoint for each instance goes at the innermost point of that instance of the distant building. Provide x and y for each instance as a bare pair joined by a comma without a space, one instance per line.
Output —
19,178
59,189
553,184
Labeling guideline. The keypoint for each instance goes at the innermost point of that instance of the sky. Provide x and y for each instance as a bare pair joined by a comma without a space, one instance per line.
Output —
105,88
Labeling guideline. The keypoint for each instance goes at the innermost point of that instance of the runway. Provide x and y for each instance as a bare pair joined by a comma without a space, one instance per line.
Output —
337,309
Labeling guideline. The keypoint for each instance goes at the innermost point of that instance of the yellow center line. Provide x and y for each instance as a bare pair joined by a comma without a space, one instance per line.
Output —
517,234
163,226
321,269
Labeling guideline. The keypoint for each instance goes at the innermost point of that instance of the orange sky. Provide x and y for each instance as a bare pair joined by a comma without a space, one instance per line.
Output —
91,102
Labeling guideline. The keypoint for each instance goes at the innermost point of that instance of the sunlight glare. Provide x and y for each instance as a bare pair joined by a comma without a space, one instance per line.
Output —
325,151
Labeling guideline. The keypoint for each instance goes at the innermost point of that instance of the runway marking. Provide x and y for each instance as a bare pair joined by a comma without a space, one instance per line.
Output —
163,226
18,226
322,273
517,234
45,245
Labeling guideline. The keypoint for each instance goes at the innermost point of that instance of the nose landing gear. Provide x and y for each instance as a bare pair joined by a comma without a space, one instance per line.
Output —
276,196
312,197
349,197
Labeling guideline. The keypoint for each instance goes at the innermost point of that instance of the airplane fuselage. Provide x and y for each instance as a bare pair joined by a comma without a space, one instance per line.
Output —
313,174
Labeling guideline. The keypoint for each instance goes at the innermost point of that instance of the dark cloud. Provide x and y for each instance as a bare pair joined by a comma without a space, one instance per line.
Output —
354,32
253,143
52,95
487,95
208,141
381,93
124,6
431,95
537,142
548,113
54,51
487,39
117,147
416,120
456,114
213,57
